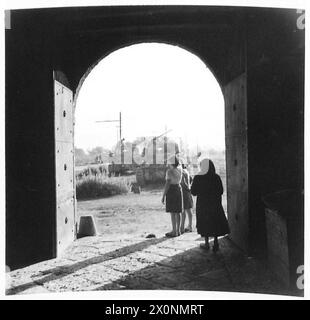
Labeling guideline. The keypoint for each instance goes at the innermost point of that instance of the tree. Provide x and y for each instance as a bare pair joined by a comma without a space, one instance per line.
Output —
80,157
97,153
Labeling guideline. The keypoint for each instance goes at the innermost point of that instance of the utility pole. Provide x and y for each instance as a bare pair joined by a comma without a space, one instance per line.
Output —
120,126
120,133
165,146
120,138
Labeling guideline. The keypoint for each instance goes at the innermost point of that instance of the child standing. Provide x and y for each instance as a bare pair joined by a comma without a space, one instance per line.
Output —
211,219
187,201
172,195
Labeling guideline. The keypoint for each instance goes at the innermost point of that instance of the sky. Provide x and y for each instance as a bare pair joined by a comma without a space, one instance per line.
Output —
155,86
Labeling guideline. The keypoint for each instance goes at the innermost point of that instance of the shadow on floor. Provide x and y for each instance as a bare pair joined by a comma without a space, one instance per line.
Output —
154,269
64,270
196,269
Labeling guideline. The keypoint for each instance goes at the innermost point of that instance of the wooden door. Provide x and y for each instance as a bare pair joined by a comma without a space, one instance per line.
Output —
64,166
237,160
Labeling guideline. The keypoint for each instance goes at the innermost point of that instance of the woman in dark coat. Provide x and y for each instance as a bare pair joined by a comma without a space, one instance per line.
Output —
211,219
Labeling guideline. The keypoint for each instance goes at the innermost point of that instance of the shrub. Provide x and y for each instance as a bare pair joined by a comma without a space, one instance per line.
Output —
102,187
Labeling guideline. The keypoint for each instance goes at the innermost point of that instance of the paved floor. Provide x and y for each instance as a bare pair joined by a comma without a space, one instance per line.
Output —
101,263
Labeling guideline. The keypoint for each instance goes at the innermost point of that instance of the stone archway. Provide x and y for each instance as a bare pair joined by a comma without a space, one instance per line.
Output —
262,83
236,151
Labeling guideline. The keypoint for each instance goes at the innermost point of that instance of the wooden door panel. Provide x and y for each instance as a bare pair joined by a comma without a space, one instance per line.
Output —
237,160
64,158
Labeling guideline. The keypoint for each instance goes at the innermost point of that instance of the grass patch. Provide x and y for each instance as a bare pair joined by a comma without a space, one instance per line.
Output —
102,187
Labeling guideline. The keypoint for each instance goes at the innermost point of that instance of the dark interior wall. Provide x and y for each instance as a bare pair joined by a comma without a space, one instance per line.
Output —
108,29
275,69
29,148
72,40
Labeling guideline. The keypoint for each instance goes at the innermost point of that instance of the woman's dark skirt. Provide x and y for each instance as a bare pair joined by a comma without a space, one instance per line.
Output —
210,218
174,199
187,199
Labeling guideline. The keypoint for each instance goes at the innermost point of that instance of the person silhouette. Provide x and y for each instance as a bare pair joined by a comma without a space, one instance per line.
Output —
211,219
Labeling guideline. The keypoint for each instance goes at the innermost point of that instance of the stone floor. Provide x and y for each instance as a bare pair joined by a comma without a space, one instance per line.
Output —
100,263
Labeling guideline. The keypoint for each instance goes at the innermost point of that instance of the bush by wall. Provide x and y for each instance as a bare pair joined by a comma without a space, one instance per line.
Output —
102,187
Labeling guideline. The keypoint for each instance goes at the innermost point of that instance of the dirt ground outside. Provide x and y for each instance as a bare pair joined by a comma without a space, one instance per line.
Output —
120,257
131,214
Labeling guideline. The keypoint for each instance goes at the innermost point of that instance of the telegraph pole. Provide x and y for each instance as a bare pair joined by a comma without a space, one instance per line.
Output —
165,146
120,126
120,138
120,133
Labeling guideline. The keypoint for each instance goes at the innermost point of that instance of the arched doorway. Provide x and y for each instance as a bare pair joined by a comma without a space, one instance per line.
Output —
236,158
163,92
81,37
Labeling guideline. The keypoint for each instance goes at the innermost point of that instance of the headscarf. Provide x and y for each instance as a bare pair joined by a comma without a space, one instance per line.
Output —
206,167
